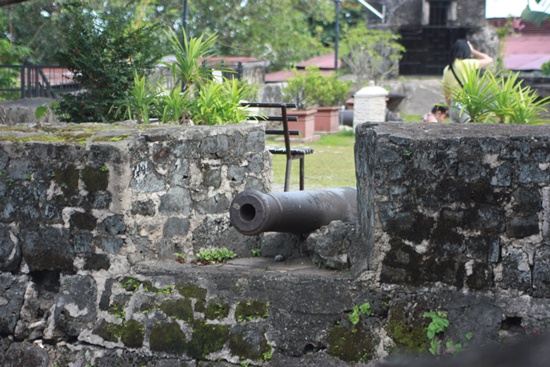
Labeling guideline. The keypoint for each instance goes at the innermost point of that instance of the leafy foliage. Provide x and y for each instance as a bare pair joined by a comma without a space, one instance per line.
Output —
10,54
104,50
312,88
437,326
215,255
358,310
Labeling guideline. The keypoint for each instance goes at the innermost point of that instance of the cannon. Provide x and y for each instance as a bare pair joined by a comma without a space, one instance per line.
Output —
253,212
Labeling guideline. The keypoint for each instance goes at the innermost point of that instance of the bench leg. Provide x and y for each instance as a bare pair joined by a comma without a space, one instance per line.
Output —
287,174
302,173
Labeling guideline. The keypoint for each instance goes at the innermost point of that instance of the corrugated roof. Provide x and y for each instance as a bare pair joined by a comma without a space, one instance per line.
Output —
324,62
528,49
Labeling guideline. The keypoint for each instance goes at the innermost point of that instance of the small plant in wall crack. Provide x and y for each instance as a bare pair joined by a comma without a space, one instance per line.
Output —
437,326
214,255
364,309
180,257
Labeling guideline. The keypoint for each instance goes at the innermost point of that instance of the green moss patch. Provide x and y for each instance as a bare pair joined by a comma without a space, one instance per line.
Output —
206,339
408,330
108,331
132,334
191,291
95,179
248,310
130,284
216,310
351,345
180,309
167,338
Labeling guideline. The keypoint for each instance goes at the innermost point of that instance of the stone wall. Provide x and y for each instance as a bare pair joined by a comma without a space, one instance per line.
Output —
110,194
464,206
452,219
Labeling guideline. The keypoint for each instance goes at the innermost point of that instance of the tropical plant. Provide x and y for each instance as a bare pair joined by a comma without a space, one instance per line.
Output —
141,100
534,16
186,68
218,104
546,68
498,97
203,101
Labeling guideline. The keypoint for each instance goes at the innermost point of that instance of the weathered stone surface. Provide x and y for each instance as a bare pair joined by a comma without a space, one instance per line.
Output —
453,219
330,245
11,300
465,205
74,309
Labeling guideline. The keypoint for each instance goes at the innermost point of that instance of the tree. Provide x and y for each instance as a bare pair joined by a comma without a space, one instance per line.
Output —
10,54
104,49
371,54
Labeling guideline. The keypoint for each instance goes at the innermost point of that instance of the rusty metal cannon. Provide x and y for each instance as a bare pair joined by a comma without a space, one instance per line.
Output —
253,212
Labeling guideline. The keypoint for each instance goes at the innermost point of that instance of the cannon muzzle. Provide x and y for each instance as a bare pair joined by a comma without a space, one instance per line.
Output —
253,212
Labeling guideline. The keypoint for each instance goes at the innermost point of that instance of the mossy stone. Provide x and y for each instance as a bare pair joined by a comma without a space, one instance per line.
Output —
206,339
167,338
132,334
108,331
191,291
216,310
247,341
95,179
250,310
351,345
180,309
408,330
67,177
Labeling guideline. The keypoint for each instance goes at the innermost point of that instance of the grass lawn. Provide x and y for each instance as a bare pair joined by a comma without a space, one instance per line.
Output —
331,165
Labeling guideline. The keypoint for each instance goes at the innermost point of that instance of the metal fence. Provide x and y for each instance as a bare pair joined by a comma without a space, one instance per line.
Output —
31,81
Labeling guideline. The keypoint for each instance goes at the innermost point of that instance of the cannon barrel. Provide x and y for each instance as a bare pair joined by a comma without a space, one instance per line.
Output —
253,212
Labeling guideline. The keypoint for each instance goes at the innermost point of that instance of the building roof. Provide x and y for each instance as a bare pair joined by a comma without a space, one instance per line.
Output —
526,52
528,49
324,62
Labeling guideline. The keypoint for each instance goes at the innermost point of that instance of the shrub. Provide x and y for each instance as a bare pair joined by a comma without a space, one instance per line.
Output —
311,88
104,50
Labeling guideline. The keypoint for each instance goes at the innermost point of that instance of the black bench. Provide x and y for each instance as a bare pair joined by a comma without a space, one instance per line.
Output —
291,153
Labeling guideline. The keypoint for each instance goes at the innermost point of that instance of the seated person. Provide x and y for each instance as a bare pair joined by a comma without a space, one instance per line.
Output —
438,114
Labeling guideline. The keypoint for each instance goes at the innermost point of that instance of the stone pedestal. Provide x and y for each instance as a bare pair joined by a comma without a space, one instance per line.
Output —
370,105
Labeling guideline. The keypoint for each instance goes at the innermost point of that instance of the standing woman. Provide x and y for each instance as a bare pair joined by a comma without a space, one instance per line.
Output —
462,57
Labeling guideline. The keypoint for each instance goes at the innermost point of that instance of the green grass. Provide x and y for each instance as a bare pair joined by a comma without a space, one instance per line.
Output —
331,165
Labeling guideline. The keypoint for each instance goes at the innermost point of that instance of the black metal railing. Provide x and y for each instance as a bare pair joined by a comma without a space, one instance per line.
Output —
31,81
